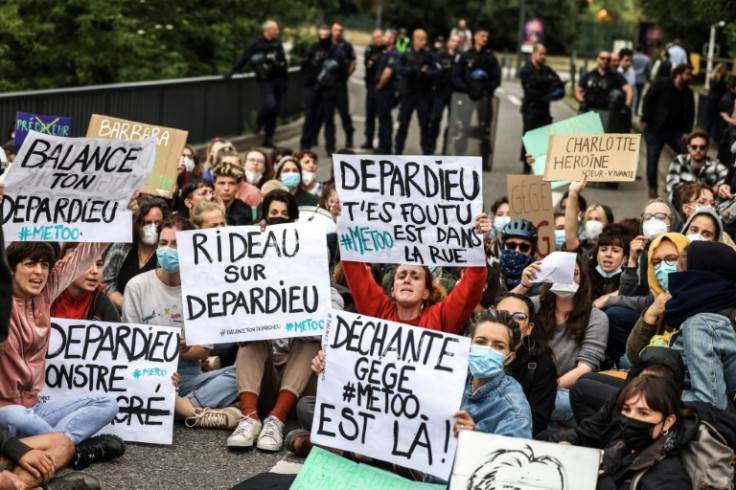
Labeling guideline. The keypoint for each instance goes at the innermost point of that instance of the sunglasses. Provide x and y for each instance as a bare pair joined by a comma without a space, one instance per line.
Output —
518,316
698,147
522,247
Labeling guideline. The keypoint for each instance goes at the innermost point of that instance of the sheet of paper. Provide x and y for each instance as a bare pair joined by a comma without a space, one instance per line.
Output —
557,267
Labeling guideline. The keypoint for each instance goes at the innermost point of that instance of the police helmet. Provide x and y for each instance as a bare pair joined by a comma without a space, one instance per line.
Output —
521,228
479,74
557,93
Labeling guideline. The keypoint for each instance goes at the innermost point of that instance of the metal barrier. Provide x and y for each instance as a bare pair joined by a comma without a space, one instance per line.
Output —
205,106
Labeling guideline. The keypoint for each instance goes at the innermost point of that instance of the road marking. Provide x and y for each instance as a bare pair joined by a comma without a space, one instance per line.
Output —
514,99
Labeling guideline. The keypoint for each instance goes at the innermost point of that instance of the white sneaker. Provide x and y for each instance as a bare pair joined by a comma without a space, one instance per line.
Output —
213,418
245,434
272,435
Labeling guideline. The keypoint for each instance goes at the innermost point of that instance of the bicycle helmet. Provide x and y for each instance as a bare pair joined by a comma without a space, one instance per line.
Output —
521,228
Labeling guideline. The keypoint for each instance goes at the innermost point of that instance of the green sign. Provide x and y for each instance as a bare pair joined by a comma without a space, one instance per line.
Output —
324,470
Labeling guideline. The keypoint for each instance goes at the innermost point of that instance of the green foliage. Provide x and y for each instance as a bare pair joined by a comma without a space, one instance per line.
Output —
51,43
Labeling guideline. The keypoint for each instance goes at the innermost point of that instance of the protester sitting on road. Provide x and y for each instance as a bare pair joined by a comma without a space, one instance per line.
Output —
227,182
246,192
124,261
277,154
328,198
154,298
697,166
190,167
259,381
85,298
213,148
258,167
595,218
309,163
577,333
271,185
533,366
501,214
208,214
195,191
519,250
699,197
289,172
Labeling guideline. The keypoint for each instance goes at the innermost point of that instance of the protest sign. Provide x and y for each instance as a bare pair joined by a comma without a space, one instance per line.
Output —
492,461
378,393
54,125
131,362
600,157
530,197
74,189
324,470
418,210
169,145
242,284
536,141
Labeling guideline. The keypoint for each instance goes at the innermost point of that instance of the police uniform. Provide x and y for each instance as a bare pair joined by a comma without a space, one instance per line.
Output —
371,59
538,84
385,99
444,61
597,88
343,107
416,76
268,60
322,67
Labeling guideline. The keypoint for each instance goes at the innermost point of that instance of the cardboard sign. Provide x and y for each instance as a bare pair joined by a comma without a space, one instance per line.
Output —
417,210
324,470
26,122
132,362
600,157
536,141
493,461
530,197
378,394
169,145
74,189
242,284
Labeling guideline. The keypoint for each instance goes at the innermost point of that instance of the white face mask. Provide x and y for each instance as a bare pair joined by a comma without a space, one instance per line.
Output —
253,177
149,234
564,291
696,237
500,222
652,228
308,177
593,228
189,164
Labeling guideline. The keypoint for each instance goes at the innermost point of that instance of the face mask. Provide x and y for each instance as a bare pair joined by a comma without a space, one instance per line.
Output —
485,362
696,237
559,238
706,209
564,291
189,164
277,221
500,222
652,228
308,177
662,272
608,275
636,434
593,228
512,265
149,234
252,177
291,180
168,259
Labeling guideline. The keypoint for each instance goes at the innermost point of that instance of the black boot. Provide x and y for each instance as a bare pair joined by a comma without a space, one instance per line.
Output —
96,450
349,140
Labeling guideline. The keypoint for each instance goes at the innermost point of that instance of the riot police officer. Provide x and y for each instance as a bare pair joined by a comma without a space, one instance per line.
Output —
594,87
417,73
541,84
343,107
385,91
268,60
322,67
371,58
445,60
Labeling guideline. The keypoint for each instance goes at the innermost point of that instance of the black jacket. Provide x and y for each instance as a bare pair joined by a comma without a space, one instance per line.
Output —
101,308
371,59
267,58
538,378
665,108
416,71
471,60
239,213
537,83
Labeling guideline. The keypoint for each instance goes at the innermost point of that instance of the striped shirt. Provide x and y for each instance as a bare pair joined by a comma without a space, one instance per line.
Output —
682,172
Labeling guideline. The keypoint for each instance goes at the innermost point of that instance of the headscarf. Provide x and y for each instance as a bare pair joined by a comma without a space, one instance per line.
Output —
680,242
709,212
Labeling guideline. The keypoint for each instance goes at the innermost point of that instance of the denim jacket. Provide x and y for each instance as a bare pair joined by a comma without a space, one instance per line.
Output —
499,407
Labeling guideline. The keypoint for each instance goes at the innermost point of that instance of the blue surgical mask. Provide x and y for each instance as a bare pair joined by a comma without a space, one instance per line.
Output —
608,275
485,362
168,259
291,180
500,223
559,238
662,272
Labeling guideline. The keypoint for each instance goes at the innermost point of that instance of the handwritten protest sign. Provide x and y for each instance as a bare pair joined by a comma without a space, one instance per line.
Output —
74,189
492,461
378,393
324,470
536,141
54,125
600,157
241,284
530,197
131,362
418,210
169,145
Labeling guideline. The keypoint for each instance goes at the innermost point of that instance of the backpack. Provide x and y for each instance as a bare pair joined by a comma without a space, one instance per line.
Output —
708,459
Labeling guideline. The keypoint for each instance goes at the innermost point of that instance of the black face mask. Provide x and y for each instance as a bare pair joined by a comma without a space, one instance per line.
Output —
277,221
636,434
325,43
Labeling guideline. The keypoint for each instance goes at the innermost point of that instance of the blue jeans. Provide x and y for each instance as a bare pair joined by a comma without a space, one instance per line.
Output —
214,389
77,418
707,344
563,414
655,143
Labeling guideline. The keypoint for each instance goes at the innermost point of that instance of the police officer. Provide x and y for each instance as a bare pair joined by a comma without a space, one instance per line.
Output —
343,107
541,84
322,67
385,91
445,60
268,60
417,73
594,87
371,58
